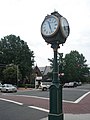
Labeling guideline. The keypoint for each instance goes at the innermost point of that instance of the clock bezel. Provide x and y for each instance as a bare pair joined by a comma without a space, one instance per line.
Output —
61,28
50,35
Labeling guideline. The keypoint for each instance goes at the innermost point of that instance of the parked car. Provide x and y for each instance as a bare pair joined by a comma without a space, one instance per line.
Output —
45,85
70,84
0,86
66,85
8,88
79,83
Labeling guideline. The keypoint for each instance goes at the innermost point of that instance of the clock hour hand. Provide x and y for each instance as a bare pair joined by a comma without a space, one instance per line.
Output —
49,26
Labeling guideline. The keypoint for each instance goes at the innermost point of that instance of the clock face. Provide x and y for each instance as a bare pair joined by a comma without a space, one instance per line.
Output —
50,25
64,27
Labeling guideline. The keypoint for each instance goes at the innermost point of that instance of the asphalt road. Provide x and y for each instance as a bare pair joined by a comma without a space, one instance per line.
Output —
72,94
10,110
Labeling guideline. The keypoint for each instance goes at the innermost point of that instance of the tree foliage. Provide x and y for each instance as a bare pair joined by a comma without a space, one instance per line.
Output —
11,74
16,51
73,65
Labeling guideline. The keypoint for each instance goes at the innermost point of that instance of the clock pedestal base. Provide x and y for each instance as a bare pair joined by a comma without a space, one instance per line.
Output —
55,117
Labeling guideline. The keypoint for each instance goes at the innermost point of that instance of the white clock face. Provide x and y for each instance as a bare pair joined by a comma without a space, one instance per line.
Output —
50,26
64,27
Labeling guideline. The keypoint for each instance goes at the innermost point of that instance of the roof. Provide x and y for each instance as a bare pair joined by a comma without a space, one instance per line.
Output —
45,70
37,71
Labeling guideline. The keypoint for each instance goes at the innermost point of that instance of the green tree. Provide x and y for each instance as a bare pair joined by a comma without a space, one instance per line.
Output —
75,67
16,51
60,61
11,74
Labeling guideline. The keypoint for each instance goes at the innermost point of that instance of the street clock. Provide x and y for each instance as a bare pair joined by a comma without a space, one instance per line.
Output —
50,26
55,28
64,26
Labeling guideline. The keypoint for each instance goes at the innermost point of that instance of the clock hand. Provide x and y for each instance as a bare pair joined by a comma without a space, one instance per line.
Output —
49,26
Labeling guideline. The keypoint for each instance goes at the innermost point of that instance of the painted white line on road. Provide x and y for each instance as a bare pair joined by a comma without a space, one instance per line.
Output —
68,101
83,96
38,108
36,97
11,101
33,97
43,98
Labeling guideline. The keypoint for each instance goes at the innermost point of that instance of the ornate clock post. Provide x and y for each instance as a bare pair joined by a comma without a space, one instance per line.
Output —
55,30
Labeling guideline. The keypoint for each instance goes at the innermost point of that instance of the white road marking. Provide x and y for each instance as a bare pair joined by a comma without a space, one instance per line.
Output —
7,100
33,97
67,101
38,108
83,96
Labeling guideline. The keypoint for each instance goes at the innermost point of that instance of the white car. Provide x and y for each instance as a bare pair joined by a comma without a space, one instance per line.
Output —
45,85
8,88
70,84
66,85
0,86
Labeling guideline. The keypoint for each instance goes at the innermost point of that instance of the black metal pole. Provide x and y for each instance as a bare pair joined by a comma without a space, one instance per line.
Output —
56,112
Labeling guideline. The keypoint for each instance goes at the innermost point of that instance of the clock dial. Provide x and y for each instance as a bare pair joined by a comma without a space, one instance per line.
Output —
50,25
64,27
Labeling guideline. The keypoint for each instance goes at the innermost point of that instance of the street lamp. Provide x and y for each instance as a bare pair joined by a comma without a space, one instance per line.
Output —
55,30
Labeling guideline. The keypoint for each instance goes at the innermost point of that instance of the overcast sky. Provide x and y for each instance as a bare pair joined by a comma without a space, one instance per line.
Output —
24,18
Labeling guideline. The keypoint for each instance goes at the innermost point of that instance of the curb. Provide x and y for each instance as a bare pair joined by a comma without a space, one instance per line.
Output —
74,117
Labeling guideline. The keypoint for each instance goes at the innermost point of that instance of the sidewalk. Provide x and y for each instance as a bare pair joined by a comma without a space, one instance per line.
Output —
24,89
74,117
